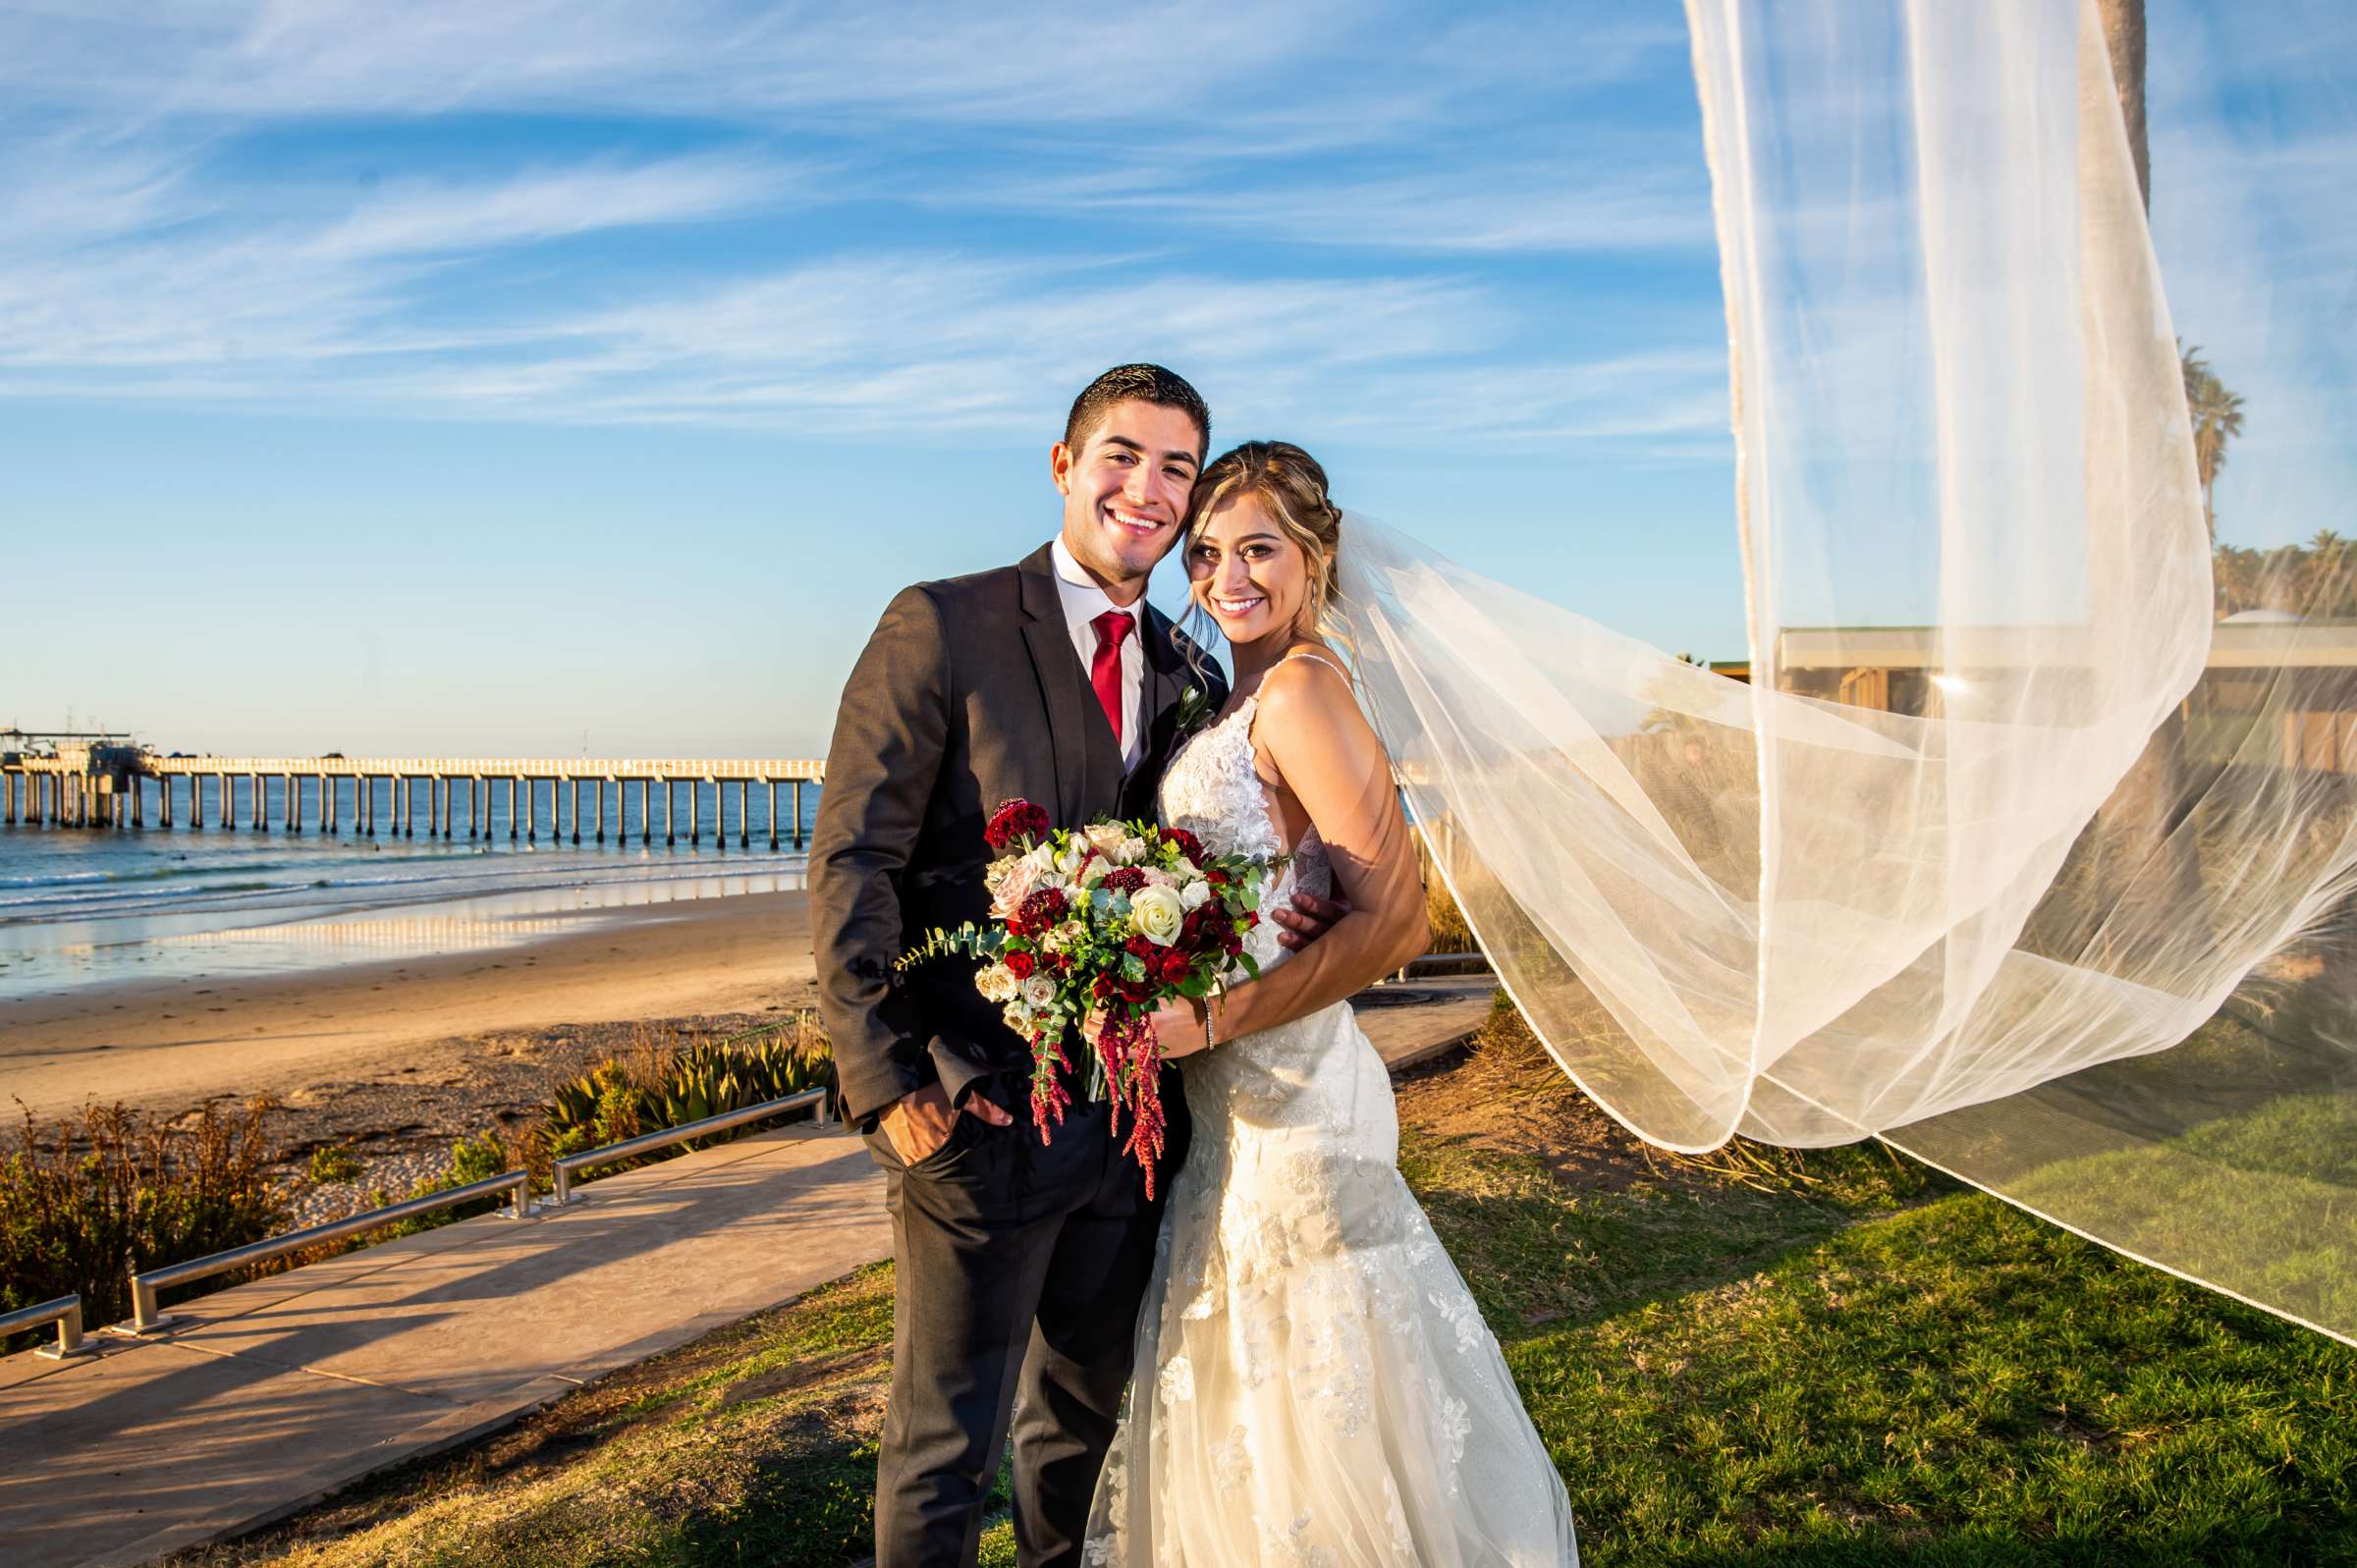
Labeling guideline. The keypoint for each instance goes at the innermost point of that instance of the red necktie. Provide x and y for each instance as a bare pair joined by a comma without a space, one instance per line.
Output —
1105,671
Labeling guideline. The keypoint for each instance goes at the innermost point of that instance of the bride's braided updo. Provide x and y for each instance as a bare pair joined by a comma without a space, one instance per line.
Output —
1291,485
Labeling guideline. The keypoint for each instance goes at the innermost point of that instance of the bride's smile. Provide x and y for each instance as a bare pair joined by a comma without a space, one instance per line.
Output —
1246,574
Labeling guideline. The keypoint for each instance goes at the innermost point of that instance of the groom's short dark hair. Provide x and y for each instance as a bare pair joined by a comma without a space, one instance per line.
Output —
1143,384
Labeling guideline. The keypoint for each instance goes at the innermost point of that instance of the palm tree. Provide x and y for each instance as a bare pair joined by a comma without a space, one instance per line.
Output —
2325,580
2217,419
2132,840
2236,575
2123,39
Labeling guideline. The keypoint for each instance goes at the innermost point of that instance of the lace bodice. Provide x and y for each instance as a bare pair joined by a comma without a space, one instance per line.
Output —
1212,790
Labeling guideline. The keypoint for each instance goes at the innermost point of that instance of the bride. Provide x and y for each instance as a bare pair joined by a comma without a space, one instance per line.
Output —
1313,1383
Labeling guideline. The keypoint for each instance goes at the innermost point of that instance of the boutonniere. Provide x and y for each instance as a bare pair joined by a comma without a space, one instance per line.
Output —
1194,708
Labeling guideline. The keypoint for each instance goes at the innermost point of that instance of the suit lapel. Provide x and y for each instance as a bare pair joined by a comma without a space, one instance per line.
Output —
1050,644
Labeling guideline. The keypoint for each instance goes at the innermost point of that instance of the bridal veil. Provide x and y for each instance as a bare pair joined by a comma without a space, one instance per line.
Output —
2009,850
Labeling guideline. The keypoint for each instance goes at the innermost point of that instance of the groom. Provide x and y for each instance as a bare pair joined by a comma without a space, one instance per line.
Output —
1019,1265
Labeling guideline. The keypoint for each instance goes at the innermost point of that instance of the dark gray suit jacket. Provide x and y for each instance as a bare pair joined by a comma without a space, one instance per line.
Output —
968,694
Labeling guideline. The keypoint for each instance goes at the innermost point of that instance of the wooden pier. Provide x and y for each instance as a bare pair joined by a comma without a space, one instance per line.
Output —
368,797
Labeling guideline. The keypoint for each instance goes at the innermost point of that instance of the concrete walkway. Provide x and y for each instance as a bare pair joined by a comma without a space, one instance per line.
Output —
1414,1020
273,1394
282,1390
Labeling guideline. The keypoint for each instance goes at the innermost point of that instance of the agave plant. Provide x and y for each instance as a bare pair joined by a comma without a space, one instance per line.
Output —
670,1086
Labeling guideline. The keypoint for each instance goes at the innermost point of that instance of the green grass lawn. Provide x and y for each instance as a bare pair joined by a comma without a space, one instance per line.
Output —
1834,1357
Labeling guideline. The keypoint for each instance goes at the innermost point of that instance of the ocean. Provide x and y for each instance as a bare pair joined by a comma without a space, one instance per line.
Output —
82,907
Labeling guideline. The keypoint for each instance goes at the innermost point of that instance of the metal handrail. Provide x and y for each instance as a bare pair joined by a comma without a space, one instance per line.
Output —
64,1312
664,1138
144,1286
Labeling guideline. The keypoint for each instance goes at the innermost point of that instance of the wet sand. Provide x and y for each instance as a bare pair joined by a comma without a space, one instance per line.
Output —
436,1021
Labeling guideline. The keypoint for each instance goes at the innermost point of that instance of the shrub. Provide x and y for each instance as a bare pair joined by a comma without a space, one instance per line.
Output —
87,1201
471,1159
1450,932
664,1082
334,1164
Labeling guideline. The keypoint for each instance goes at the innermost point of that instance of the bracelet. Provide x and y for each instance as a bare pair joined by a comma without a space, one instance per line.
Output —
1208,1042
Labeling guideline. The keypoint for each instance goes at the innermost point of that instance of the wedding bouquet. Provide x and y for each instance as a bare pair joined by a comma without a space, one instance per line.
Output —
1092,929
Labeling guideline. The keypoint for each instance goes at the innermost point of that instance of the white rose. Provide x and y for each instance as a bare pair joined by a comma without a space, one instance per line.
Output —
1155,876
1194,894
1040,992
1132,853
1072,857
1018,1018
1185,870
996,983
1156,914
1105,837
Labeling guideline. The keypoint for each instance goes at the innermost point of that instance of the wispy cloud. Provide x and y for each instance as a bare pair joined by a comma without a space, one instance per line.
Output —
912,215
1483,206
160,272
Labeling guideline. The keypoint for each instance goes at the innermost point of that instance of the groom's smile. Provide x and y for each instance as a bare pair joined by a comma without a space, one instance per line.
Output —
1125,491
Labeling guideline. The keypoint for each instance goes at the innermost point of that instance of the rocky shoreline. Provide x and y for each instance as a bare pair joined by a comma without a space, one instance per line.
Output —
401,1124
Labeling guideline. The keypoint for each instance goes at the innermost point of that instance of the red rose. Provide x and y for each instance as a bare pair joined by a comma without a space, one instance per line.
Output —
1175,967
1015,819
1138,946
1215,876
1189,845
1020,964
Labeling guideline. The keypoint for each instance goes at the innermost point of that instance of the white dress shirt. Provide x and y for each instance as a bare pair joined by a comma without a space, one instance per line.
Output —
1084,601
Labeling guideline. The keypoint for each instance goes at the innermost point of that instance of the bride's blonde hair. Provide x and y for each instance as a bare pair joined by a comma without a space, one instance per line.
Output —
1291,485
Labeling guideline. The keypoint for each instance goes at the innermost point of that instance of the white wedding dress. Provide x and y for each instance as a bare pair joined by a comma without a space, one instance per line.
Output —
1315,1383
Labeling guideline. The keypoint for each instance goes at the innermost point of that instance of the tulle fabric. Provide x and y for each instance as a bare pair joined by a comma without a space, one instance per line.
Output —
2001,815
1314,1384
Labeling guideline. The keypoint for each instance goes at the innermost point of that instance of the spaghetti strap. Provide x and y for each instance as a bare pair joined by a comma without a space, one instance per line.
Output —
1321,656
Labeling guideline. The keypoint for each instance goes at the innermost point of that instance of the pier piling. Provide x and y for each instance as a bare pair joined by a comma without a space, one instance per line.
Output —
91,794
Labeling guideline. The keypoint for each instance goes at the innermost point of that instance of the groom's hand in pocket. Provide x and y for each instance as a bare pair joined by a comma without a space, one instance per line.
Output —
1309,918
920,1122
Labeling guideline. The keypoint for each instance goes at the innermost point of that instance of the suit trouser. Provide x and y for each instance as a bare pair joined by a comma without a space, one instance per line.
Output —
1019,1270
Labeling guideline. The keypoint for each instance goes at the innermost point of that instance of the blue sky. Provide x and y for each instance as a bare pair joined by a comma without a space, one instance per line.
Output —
513,378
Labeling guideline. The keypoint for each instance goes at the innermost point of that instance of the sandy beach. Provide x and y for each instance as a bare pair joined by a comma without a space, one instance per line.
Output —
471,1029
